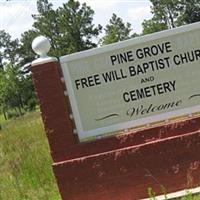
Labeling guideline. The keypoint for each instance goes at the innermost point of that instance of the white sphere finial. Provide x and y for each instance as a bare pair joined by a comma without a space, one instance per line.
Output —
41,46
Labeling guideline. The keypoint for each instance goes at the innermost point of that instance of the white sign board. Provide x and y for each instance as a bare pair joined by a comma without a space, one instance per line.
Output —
138,81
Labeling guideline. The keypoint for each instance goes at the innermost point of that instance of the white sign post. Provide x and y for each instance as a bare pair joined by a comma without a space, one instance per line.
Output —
134,82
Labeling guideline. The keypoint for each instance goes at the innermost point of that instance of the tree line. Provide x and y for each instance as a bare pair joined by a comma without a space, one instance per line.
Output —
70,29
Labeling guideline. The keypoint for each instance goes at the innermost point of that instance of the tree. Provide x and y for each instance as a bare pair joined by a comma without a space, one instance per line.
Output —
10,96
76,27
166,11
116,31
46,23
14,85
189,12
27,55
43,6
25,51
70,28
8,49
165,15
151,26
169,14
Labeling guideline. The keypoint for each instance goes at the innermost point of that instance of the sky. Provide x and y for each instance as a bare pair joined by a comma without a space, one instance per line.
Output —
15,15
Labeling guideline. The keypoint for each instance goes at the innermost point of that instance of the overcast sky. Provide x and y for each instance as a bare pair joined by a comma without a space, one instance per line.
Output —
15,15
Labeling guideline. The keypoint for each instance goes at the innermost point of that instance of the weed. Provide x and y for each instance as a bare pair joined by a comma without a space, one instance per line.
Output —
151,193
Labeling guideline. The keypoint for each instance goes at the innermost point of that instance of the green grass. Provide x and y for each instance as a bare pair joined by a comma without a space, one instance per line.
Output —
25,163
189,196
2,119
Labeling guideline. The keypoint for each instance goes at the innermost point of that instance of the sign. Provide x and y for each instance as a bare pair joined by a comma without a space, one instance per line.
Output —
134,82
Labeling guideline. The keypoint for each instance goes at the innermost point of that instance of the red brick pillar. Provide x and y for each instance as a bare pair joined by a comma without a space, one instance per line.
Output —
50,92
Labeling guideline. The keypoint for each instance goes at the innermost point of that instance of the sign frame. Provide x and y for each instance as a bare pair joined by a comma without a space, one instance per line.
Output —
116,46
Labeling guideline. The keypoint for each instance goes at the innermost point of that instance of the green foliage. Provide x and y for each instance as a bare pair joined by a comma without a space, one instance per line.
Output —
151,193
169,14
189,12
70,27
16,92
117,31
166,11
16,89
25,163
25,51
8,48
75,22
189,196
10,90
151,26
46,23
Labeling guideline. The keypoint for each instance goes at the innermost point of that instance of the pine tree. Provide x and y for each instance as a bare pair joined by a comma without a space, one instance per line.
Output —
117,31
76,27
169,14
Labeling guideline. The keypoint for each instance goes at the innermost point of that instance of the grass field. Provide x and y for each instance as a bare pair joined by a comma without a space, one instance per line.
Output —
25,163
